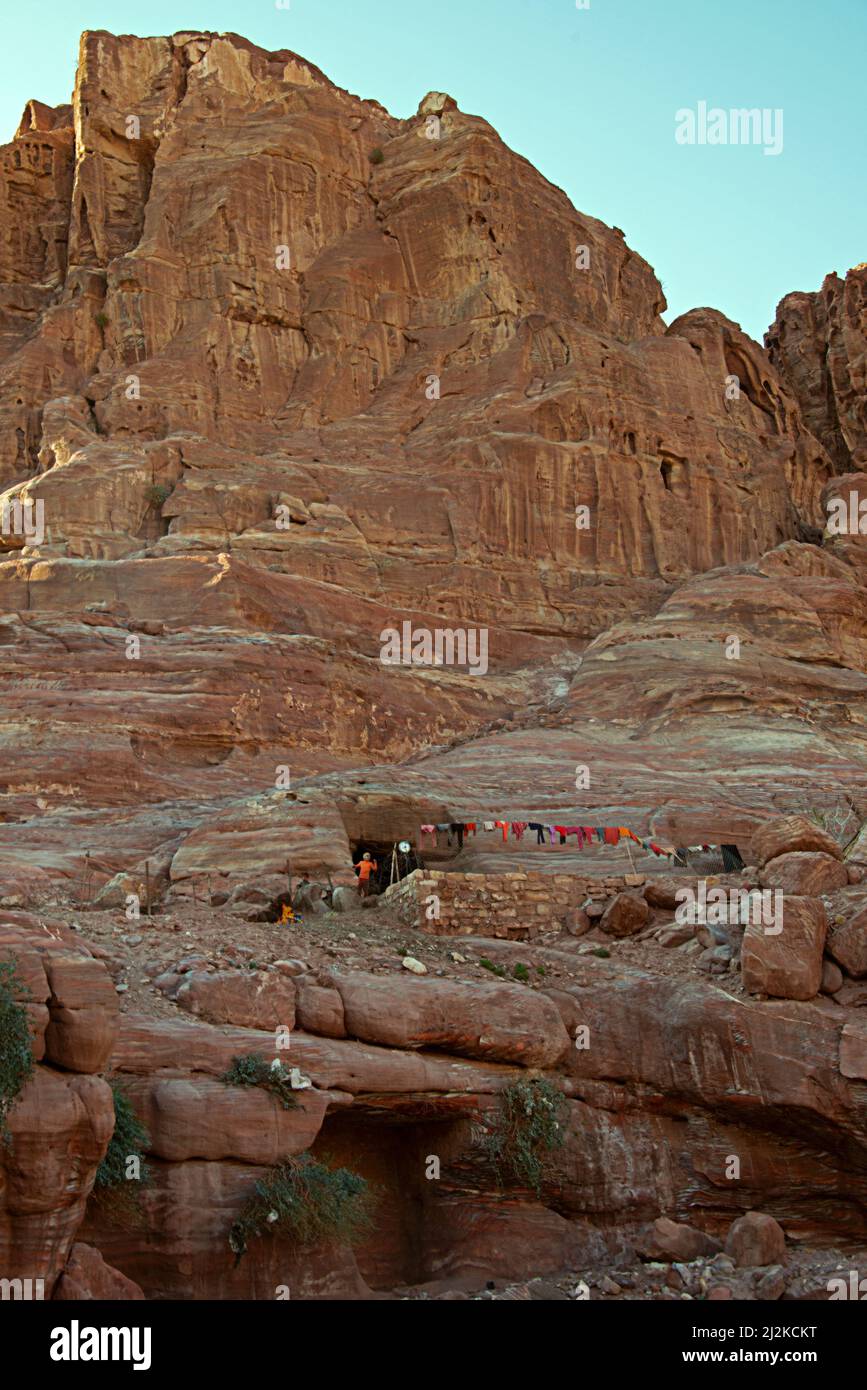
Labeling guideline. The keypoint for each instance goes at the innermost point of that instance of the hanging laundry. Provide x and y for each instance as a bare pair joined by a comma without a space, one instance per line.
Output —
588,833
518,828
469,827
600,833
551,835
732,861
561,831
489,826
612,836
457,829
429,830
540,831
504,826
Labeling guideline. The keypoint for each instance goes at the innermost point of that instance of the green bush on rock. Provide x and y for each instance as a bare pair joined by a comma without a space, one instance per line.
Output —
16,1051
306,1201
529,1127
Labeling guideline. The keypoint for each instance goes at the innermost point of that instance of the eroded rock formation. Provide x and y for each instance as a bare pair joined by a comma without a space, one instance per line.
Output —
279,372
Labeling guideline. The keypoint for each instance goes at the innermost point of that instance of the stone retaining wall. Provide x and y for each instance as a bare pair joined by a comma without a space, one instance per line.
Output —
512,906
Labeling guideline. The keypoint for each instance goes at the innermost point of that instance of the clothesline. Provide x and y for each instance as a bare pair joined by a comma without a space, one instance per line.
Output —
584,835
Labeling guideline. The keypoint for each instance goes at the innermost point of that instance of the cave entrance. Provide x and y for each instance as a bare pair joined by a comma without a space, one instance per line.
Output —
392,861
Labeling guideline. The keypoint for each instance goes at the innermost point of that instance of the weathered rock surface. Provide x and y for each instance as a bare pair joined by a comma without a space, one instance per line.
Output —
817,345
625,915
847,943
504,1024
756,1239
781,835
87,1276
786,960
275,397
804,875
249,999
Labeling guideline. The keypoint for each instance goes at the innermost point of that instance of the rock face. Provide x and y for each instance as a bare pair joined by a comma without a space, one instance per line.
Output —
817,345
61,1123
234,371
280,373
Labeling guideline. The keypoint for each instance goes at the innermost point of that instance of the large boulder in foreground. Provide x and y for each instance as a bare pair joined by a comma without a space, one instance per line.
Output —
792,835
804,875
786,963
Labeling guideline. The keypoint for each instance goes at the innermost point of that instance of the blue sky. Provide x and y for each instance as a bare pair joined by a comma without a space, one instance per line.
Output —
589,96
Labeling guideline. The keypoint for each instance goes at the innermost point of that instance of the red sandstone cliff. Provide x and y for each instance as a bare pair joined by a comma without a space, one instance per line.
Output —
283,372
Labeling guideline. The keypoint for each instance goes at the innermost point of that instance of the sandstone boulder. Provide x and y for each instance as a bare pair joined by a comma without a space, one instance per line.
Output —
792,835
832,977
804,874
504,1023
248,998
87,1276
83,1008
788,964
662,893
756,1240
625,915
319,1009
847,943
672,1240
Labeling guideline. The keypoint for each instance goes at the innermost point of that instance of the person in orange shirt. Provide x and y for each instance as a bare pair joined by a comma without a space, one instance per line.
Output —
365,866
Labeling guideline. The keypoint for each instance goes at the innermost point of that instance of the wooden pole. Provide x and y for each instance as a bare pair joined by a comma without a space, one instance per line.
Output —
84,872
148,885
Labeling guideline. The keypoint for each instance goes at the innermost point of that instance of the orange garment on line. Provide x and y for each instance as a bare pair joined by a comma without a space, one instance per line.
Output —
505,827
365,868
